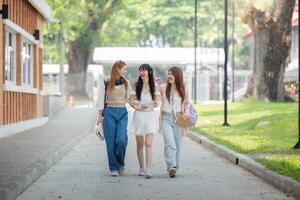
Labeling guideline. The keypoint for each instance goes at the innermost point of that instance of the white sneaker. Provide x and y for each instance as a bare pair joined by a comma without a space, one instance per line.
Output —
172,172
114,173
121,170
148,174
142,172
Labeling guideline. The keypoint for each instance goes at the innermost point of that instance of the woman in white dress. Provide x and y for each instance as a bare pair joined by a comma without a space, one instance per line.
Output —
144,99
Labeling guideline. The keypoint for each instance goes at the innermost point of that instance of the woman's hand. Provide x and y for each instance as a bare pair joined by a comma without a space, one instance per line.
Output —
185,116
134,104
100,119
137,106
144,108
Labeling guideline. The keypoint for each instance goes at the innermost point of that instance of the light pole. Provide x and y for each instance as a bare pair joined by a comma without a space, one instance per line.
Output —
61,36
218,63
195,47
233,27
219,78
225,64
62,58
297,146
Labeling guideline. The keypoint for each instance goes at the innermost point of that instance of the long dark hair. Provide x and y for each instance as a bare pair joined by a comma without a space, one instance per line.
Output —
139,83
178,75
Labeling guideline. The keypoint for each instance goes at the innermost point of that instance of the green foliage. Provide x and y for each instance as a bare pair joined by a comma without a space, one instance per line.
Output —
80,20
171,23
148,23
73,17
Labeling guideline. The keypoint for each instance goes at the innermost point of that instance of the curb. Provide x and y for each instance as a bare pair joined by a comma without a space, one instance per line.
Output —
17,184
283,183
12,129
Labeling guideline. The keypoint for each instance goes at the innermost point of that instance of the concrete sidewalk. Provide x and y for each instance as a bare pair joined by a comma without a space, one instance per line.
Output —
26,156
83,174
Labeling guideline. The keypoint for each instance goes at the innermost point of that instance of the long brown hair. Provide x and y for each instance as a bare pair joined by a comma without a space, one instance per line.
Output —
114,75
178,75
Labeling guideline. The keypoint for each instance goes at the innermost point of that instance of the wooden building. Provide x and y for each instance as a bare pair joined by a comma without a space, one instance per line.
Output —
21,59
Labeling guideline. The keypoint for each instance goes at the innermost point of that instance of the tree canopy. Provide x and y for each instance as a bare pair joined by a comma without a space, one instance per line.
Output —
150,23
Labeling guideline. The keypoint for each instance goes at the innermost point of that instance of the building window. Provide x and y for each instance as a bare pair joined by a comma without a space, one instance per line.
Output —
10,57
27,63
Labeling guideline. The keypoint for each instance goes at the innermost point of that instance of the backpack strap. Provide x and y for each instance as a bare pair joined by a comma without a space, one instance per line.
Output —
105,96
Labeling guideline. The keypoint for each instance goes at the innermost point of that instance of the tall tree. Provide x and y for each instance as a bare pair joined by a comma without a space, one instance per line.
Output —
169,23
272,45
83,21
155,23
145,23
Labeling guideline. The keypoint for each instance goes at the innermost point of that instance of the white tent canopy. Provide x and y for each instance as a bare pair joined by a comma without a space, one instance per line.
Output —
134,55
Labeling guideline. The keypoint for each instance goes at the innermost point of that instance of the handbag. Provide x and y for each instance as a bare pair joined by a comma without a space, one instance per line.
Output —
182,120
191,118
99,131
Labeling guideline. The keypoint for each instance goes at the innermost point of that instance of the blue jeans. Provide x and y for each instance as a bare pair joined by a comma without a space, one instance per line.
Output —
172,134
115,133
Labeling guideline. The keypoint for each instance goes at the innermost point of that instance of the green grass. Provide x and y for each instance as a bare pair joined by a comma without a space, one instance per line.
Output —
244,137
288,166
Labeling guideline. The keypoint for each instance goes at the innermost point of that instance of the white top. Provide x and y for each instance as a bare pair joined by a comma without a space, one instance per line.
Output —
146,98
144,122
101,93
174,106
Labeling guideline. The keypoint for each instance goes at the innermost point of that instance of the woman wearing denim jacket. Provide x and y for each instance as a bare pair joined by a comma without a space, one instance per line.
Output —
174,100
115,117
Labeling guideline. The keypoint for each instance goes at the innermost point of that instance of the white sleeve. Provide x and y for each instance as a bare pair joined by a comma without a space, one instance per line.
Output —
101,94
129,90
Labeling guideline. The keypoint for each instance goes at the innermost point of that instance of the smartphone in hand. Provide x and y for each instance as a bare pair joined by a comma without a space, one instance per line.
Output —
147,106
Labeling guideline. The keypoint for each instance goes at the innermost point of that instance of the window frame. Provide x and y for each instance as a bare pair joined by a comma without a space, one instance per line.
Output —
27,78
13,49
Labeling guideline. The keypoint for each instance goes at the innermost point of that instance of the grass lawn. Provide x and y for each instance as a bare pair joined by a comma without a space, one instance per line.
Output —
244,136
288,166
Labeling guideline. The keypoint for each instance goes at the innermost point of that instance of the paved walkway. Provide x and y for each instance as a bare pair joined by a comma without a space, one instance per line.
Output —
83,174
27,155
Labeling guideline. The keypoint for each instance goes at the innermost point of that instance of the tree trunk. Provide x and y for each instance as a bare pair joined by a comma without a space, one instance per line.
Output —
78,59
271,50
80,49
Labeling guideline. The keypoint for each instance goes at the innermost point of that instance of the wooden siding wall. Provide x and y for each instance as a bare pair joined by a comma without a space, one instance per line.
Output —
1,70
2,47
17,106
27,18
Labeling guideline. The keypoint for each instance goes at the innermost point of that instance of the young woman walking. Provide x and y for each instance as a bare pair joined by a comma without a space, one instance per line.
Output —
144,99
115,117
175,101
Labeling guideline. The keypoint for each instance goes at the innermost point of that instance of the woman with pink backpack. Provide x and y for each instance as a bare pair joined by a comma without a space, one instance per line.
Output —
174,117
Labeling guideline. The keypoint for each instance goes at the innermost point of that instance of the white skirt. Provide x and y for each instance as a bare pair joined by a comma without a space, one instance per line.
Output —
144,123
